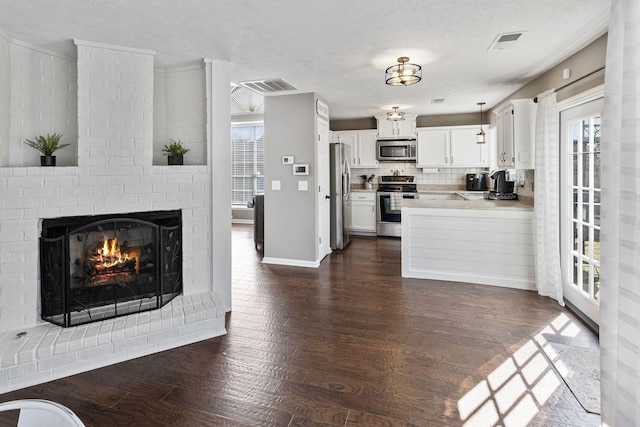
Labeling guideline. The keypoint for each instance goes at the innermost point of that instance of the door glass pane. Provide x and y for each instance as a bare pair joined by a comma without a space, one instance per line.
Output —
585,192
586,250
585,205
584,147
596,208
585,277
585,169
575,136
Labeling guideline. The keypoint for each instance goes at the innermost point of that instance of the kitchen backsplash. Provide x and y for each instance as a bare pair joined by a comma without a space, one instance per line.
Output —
524,182
442,176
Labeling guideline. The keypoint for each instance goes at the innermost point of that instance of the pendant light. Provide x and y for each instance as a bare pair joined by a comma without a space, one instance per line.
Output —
480,136
395,115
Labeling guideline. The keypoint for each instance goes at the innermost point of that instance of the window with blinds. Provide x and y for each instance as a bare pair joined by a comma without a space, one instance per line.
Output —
247,162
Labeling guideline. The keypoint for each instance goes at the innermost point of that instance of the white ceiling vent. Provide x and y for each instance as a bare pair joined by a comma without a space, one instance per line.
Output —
506,40
268,86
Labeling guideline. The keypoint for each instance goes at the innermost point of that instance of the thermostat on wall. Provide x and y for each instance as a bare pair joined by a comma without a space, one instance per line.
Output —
287,160
301,169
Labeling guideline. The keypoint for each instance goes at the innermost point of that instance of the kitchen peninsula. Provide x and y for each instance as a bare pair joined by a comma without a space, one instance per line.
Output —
469,239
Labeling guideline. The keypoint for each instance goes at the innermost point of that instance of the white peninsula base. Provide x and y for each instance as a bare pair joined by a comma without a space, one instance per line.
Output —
485,246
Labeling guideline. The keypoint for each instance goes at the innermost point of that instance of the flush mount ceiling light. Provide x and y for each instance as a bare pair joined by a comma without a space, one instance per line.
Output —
480,136
395,115
404,73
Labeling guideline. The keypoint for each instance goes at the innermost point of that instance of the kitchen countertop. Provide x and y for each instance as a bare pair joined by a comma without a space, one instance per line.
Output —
483,204
522,204
363,190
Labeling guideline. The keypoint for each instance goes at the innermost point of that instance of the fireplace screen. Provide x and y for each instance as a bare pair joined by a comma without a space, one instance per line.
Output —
95,268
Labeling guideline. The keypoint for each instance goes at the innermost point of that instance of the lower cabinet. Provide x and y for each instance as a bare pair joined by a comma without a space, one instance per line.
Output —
363,212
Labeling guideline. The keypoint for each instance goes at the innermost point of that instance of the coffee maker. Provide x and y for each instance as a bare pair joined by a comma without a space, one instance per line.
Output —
502,186
477,182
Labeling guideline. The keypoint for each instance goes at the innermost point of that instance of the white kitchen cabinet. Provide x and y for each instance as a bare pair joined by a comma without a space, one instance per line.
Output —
363,212
363,146
515,126
450,147
447,244
432,147
397,128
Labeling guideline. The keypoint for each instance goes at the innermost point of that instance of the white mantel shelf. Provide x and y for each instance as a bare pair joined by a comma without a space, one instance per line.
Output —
492,245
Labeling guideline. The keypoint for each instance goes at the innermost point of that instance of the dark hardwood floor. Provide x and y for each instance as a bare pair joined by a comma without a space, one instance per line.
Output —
348,344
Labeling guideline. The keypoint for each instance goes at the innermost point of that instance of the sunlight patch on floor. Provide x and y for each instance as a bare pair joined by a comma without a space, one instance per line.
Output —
513,393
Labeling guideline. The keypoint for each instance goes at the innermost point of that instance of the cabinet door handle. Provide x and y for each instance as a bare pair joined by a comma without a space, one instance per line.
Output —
451,159
446,160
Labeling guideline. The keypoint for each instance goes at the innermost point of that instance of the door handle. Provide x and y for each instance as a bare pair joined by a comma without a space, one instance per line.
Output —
327,196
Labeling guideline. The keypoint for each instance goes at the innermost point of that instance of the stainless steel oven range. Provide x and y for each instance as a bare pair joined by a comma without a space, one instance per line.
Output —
391,190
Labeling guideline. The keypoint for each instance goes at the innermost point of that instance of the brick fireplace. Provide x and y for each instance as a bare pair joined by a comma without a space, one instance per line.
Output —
110,117
98,267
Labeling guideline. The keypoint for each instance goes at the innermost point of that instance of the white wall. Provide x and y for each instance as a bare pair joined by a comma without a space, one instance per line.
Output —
43,100
179,112
290,214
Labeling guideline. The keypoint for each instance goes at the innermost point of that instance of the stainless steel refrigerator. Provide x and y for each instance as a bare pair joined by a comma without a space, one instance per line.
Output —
340,192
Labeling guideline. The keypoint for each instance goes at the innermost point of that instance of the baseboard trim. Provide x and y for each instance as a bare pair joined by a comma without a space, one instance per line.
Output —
291,262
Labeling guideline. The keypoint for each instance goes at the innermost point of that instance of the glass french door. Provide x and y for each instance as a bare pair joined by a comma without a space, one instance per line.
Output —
580,206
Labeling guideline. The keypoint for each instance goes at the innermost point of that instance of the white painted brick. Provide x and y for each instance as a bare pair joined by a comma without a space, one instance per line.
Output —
138,189
21,370
91,336
95,352
25,182
108,358
130,328
57,361
130,343
61,345
77,338
162,336
104,334
165,188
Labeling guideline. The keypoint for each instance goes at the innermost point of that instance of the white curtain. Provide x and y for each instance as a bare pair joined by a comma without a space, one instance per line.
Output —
547,207
620,246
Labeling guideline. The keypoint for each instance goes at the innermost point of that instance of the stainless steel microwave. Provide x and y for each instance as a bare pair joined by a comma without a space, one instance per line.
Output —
396,150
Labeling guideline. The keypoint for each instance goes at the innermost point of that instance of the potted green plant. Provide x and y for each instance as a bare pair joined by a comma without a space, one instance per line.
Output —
175,152
47,145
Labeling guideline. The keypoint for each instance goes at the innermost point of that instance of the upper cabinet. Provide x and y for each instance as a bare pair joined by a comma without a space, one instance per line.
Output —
515,134
363,146
450,147
397,128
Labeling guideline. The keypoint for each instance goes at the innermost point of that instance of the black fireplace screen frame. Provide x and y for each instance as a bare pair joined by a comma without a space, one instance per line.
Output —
67,298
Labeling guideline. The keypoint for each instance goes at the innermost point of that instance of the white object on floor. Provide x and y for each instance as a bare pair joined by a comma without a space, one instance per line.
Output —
38,413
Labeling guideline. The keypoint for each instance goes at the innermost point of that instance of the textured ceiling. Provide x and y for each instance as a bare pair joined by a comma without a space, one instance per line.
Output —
337,48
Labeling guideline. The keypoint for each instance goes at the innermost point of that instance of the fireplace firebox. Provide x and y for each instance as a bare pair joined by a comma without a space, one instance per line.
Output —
94,268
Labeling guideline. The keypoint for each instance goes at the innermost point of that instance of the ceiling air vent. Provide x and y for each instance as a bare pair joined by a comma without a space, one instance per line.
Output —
506,40
268,86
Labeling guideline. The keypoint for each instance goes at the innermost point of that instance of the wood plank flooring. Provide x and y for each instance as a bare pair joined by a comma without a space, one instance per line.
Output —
348,344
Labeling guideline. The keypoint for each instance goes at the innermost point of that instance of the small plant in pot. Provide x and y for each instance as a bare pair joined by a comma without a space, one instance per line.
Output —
47,145
175,152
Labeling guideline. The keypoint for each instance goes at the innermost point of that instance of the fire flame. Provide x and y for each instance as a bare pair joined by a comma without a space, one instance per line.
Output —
110,254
